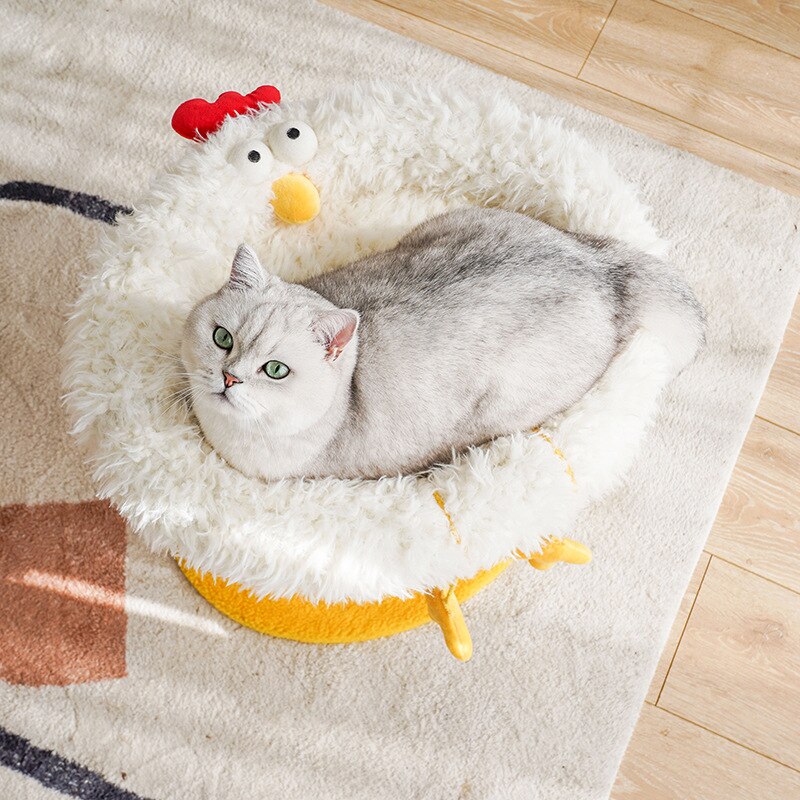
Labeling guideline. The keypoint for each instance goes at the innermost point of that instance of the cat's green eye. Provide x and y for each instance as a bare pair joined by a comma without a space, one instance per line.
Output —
223,338
276,369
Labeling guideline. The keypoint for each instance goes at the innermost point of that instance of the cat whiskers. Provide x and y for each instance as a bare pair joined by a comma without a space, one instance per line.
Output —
170,359
251,406
261,435
175,403
167,353
174,399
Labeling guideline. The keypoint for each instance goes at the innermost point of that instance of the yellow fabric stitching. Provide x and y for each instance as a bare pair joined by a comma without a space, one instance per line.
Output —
437,496
556,451
453,530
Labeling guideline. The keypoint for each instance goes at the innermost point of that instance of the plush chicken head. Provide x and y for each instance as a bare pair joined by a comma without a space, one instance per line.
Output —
295,198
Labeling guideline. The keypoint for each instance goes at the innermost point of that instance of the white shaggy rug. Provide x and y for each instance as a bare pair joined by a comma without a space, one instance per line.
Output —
196,706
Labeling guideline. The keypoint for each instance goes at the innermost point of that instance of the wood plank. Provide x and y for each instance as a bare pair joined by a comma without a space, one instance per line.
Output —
638,116
780,402
698,72
671,759
758,523
773,22
736,670
557,34
677,628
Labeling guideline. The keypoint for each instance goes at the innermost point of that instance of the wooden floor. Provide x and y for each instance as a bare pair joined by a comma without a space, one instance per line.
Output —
719,78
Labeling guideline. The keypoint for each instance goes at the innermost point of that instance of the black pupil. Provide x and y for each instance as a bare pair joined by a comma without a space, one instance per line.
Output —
293,133
254,156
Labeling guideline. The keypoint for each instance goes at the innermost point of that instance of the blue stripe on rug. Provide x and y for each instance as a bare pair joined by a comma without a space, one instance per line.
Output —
87,205
55,772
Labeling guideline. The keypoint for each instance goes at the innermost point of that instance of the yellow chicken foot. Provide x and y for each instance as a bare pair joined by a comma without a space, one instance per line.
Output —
567,550
445,611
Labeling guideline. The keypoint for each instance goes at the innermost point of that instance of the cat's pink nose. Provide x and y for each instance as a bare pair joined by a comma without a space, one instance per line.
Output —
230,379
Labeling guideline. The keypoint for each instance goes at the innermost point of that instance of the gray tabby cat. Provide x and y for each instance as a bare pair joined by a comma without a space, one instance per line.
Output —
477,324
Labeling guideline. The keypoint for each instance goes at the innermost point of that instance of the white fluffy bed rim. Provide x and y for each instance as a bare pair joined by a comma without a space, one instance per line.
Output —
388,157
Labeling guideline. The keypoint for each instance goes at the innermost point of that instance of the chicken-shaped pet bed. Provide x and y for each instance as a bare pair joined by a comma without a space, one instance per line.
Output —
313,184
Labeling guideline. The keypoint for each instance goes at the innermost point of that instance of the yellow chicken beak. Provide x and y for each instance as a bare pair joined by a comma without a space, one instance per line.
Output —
296,198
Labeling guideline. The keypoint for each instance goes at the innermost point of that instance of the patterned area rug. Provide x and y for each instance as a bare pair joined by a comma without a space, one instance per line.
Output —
116,679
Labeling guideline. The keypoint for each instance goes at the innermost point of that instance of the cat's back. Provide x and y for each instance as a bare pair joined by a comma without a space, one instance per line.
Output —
469,250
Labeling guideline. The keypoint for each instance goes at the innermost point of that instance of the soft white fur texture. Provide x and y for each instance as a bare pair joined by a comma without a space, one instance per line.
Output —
387,158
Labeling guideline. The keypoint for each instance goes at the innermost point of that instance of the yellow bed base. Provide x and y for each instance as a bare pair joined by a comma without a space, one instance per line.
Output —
320,623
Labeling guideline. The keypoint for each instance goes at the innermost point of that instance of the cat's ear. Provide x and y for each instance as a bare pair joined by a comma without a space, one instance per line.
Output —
334,329
246,271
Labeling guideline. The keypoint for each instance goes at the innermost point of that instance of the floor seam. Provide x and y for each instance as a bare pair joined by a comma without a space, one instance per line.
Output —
597,38
728,739
683,630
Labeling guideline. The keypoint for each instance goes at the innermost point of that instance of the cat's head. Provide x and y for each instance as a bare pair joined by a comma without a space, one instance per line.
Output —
267,351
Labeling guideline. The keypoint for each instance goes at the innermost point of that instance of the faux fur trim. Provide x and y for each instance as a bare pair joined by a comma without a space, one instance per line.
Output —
387,159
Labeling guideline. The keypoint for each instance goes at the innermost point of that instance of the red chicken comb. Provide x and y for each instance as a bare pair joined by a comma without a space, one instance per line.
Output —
197,118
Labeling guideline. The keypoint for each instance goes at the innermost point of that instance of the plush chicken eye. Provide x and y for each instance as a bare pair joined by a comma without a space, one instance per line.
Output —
293,142
253,159
223,338
276,369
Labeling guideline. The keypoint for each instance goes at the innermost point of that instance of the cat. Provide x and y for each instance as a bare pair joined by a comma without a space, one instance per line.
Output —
478,323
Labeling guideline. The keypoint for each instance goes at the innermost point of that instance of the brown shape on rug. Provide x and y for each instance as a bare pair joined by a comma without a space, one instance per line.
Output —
62,593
